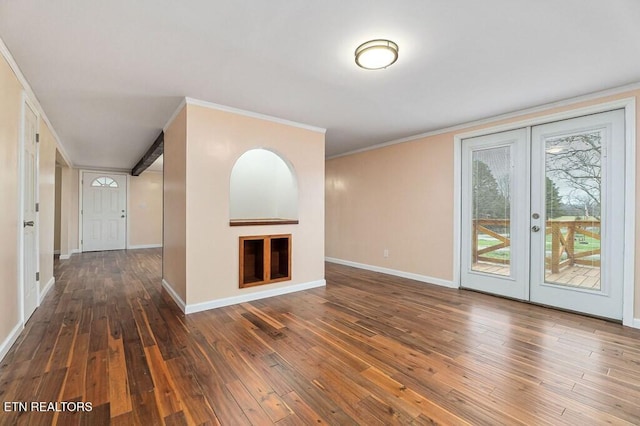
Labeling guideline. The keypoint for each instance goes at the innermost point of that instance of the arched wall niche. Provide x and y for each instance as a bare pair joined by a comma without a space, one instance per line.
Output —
263,186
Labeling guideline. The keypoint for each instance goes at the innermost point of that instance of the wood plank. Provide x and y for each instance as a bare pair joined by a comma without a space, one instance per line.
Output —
302,410
145,409
196,407
97,378
250,407
119,393
139,376
413,403
99,329
75,382
176,419
98,416
225,407
126,419
167,398
69,418
142,324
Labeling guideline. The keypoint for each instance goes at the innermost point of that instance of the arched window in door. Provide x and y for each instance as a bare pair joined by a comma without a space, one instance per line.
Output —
105,182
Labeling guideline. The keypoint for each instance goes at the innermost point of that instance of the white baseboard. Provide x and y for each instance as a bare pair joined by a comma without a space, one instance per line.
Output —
144,246
175,296
46,288
402,274
56,252
234,300
67,256
10,340
635,323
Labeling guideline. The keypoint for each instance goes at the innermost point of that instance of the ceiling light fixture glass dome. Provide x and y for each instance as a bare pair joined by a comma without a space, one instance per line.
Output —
376,54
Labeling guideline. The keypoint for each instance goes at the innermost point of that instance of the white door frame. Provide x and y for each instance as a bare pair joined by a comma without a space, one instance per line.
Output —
629,106
80,191
24,101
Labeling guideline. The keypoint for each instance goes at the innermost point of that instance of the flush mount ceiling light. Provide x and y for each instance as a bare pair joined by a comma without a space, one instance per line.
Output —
376,54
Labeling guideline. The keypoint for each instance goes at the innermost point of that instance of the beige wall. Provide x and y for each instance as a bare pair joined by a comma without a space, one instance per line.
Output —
57,209
174,258
10,106
400,197
46,197
214,141
145,210
376,199
69,181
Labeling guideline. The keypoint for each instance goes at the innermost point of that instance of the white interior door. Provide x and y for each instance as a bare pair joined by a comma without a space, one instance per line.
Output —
29,214
578,196
495,204
104,201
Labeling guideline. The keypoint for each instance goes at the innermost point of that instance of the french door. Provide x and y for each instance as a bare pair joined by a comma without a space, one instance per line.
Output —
543,214
495,207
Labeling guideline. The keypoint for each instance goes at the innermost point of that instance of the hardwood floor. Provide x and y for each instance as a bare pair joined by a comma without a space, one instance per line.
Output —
369,349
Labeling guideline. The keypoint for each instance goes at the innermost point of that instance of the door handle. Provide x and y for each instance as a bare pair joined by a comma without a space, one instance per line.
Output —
535,228
28,223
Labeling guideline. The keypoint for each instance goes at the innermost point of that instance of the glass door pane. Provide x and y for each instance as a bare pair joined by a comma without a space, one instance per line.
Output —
491,186
573,174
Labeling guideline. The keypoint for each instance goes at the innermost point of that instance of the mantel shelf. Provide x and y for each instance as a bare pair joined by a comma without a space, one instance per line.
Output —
256,222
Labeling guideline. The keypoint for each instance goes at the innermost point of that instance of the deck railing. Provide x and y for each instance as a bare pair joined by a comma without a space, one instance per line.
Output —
563,238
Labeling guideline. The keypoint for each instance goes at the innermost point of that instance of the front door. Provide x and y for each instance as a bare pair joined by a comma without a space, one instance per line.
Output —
104,200
543,214
29,213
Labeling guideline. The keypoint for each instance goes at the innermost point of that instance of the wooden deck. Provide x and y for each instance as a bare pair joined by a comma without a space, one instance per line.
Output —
573,276
368,349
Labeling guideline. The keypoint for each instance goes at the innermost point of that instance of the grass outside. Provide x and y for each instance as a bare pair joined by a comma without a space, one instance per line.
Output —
582,243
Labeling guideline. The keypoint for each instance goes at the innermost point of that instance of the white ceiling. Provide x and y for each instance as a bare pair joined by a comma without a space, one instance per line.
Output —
110,74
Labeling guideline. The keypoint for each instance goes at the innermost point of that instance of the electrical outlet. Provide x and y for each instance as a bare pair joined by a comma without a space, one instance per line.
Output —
385,253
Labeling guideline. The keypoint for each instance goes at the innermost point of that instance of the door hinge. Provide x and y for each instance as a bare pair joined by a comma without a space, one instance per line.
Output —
37,276
37,137
37,207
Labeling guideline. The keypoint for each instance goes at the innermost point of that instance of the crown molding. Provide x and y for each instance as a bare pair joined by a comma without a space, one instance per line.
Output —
211,105
540,108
